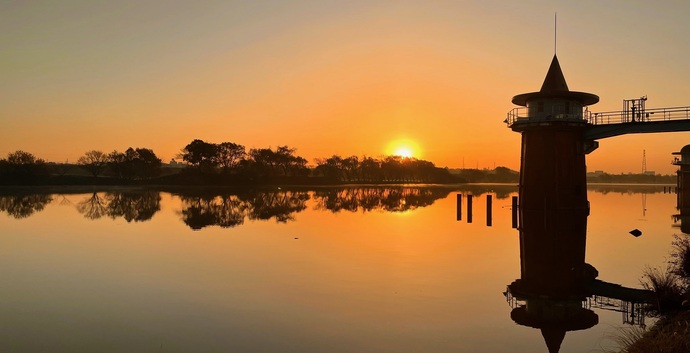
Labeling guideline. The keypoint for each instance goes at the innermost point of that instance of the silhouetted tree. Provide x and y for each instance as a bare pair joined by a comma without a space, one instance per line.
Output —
228,155
298,167
505,175
473,175
22,168
264,161
202,155
392,169
338,168
95,162
330,168
370,169
22,158
117,164
139,163
282,162
146,164
350,167
284,159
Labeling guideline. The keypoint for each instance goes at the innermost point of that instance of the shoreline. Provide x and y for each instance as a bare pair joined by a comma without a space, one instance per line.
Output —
71,189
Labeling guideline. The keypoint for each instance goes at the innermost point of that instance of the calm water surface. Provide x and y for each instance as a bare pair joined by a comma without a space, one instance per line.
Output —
332,270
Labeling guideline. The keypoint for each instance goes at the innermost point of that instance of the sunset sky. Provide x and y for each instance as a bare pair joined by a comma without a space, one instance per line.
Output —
329,77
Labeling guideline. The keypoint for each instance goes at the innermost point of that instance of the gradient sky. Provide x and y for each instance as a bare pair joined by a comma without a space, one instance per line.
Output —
329,77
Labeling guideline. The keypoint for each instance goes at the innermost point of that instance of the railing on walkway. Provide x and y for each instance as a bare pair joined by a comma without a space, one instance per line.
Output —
648,115
632,313
519,115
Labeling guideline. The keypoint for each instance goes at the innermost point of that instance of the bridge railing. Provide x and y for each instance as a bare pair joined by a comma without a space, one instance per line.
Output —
611,117
648,115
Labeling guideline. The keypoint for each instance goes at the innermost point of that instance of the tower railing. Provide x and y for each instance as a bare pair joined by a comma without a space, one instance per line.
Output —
521,115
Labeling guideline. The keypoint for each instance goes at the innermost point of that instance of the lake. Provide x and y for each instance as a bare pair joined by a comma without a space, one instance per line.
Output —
361,269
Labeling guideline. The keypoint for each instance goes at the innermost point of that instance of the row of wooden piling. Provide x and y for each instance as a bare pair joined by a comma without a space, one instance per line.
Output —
514,207
489,209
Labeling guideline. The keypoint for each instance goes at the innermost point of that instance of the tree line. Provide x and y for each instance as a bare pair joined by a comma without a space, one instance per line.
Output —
22,167
219,163
631,178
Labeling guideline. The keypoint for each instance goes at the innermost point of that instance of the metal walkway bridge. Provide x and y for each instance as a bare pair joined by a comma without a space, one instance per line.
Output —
634,118
614,123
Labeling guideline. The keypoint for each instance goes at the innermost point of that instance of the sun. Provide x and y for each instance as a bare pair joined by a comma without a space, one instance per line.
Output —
403,152
405,148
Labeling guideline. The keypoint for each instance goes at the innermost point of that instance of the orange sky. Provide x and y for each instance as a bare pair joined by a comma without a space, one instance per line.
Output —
328,77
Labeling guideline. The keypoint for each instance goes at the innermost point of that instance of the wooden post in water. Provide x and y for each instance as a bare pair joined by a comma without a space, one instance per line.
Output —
469,208
459,207
514,209
488,210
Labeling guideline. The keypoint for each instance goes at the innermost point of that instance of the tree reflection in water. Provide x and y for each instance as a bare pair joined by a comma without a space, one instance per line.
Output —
203,209
230,210
23,206
206,210
388,199
278,205
137,206
93,207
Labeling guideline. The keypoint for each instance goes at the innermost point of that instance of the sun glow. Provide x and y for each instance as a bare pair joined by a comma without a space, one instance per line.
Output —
403,152
403,148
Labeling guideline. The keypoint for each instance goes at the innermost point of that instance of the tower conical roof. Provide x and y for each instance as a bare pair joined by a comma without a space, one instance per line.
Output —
554,86
554,80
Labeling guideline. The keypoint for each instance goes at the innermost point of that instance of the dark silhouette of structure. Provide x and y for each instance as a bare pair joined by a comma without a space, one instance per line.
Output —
555,282
683,188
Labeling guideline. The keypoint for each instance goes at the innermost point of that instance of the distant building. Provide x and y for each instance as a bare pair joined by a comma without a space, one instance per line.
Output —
683,177
175,164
